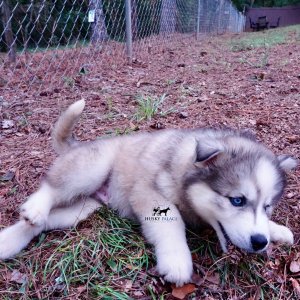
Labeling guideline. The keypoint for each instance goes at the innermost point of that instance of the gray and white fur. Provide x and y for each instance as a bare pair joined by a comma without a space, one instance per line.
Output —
222,177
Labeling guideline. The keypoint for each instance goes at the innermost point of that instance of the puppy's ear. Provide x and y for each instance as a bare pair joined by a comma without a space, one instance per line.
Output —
249,134
287,162
206,158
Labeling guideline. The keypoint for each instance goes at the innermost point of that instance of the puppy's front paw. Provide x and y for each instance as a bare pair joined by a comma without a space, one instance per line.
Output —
176,266
34,212
281,234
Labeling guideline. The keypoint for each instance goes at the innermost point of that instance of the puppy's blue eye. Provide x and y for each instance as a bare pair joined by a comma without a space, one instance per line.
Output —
238,201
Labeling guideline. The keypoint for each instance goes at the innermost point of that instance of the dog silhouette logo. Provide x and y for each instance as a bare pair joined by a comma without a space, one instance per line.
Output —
158,212
161,214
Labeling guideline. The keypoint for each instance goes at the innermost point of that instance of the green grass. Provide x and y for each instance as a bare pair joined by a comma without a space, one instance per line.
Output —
262,59
118,132
261,43
266,38
150,106
110,252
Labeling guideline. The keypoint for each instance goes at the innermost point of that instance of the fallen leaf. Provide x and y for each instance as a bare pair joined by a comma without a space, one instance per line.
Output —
204,98
261,76
157,125
42,129
6,124
18,277
44,93
181,292
252,122
4,191
19,134
214,281
290,195
262,122
140,83
197,279
81,289
113,265
293,138
183,115
214,278
257,293
296,286
153,272
133,127
127,285
295,266
9,175
138,293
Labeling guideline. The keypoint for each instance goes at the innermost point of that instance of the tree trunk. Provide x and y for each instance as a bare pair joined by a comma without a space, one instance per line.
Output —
8,33
99,30
26,37
168,16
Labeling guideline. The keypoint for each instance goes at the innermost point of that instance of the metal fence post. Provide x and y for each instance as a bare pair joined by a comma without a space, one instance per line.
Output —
198,19
231,18
128,30
219,16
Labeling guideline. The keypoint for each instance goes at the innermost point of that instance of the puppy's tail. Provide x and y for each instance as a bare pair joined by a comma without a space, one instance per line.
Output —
62,132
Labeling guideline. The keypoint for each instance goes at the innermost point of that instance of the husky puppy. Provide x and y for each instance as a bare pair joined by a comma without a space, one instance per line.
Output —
222,177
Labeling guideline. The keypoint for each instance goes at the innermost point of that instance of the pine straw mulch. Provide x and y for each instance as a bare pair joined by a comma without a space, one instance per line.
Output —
206,84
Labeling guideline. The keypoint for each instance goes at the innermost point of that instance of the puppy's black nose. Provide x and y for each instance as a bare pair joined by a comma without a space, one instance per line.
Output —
258,242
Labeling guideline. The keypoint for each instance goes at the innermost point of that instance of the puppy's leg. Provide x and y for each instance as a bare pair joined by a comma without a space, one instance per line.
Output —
80,172
280,233
70,216
16,237
174,259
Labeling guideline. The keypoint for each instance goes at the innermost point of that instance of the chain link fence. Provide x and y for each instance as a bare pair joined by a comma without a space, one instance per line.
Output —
49,40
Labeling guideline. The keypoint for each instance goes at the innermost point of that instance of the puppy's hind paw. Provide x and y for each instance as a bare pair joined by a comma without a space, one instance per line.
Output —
7,245
15,238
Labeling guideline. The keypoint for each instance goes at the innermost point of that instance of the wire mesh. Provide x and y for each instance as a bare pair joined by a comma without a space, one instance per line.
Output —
49,41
